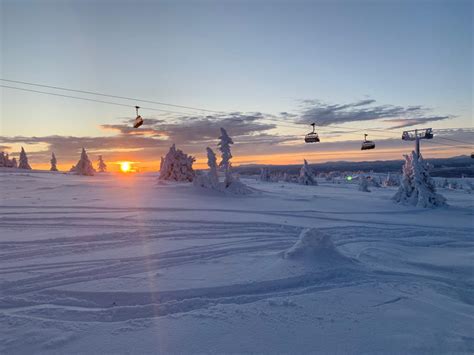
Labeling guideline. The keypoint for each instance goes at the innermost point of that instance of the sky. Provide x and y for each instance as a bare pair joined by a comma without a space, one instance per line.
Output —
265,70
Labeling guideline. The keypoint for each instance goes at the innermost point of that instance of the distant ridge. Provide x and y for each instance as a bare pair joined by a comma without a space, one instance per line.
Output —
443,167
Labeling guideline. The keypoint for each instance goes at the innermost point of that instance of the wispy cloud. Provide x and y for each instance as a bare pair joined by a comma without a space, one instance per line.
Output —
364,110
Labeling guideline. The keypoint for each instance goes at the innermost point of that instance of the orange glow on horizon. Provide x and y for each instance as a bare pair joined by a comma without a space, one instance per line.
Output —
313,157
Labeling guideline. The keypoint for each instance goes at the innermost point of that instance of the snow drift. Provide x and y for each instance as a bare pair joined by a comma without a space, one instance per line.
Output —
312,243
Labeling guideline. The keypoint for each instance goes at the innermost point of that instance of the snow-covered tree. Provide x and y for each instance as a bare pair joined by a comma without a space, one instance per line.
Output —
286,177
373,181
389,181
363,184
211,179
177,166
417,188
53,163
101,165
265,174
306,175
24,160
83,166
13,163
224,146
445,184
453,185
212,163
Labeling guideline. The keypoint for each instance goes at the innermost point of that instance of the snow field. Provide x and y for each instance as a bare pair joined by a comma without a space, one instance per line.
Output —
121,264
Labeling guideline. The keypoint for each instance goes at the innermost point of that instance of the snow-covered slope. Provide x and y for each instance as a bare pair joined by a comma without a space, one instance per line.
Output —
124,264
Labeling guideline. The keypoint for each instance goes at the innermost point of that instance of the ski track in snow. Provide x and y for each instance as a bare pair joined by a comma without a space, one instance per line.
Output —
55,273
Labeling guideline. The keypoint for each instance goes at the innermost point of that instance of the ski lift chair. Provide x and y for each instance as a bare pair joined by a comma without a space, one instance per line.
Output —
429,133
367,144
312,137
138,120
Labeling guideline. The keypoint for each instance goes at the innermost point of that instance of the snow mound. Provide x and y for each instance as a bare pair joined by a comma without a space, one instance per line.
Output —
312,242
237,187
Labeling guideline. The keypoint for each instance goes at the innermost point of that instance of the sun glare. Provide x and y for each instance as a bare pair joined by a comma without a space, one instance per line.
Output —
125,167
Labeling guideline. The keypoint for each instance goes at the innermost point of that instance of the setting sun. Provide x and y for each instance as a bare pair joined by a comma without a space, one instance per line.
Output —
125,166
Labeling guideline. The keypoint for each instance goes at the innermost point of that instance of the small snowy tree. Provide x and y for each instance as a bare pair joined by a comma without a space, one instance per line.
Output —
363,184
211,180
83,166
389,181
14,163
224,146
445,184
53,163
3,160
212,163
306,175
286,177
265,174
417,188
24,160
101,165
177,166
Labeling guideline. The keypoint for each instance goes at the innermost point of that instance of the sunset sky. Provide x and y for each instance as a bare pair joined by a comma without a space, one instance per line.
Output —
263,69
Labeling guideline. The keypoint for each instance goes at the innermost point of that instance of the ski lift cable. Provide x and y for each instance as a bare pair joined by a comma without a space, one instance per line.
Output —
294,125
287,124
450,145
89,99
109,95
455,140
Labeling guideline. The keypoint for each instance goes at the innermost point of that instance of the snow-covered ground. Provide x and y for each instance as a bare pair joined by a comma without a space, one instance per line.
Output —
124,264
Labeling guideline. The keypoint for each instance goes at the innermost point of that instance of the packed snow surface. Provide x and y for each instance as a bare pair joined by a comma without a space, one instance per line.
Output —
126,264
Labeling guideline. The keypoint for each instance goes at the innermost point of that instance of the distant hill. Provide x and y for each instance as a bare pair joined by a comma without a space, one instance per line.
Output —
442,167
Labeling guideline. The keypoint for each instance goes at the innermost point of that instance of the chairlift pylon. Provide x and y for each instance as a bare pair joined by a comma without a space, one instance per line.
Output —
425,133
138,120
367,144
312,137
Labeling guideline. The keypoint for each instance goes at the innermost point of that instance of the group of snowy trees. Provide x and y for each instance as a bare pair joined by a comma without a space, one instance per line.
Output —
210,180
6,162
84,165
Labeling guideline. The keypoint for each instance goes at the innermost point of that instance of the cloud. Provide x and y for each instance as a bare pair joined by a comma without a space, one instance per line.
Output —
364,110
401,123
195,129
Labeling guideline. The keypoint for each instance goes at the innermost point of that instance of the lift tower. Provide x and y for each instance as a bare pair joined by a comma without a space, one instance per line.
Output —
416,135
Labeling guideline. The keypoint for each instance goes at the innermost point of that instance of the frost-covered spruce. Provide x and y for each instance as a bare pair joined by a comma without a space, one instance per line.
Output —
101,165
13,163
177,166
265,174
306,175
212,163
83,166
417,188
224,146
23,160
211,179
363,184
53,163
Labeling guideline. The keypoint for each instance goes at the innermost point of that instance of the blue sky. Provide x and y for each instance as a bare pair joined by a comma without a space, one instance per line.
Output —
245,56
